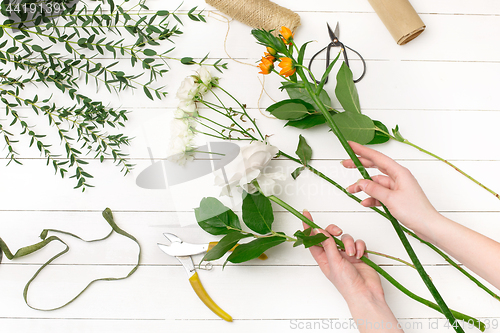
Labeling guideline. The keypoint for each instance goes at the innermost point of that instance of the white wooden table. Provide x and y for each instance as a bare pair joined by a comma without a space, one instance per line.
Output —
442,89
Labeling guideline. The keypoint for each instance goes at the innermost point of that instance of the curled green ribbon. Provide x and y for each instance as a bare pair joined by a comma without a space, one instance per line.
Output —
107,214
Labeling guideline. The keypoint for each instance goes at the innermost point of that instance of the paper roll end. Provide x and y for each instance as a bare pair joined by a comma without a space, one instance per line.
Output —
411,36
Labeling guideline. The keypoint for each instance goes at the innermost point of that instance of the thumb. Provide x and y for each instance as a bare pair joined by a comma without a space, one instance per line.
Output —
373,189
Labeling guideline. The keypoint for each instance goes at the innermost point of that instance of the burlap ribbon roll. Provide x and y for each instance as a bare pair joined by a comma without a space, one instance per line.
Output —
260,14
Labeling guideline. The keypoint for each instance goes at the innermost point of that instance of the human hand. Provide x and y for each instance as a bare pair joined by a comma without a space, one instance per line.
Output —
398,190
351,276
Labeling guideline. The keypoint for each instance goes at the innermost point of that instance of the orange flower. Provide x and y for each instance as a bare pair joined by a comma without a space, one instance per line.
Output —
286,35
269,57
287,67
266,66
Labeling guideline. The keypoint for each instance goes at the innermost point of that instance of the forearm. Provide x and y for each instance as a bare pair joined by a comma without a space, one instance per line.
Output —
477,252
372,315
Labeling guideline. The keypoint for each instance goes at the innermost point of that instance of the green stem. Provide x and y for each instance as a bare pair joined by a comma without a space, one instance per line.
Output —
408,231
394,222
377,268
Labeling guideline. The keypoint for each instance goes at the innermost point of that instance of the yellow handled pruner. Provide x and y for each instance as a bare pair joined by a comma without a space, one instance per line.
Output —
183,252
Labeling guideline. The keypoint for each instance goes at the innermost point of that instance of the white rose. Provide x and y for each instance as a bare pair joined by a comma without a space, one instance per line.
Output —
188,89
187,106
249,165
180,146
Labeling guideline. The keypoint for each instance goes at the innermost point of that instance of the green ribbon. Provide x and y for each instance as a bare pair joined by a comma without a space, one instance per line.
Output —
107,214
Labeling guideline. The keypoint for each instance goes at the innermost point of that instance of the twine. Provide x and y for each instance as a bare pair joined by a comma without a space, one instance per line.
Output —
259,14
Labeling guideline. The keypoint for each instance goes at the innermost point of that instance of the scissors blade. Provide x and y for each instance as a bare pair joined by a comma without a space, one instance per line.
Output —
334,35
183,249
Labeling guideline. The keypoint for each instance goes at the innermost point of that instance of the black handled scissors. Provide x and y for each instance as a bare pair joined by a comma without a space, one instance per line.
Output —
334,43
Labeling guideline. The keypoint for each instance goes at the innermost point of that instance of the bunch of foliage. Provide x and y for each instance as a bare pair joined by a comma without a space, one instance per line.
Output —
62,51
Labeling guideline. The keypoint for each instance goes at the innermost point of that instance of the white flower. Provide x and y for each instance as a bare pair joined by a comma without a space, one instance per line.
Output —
188,107
188,89
204,79
249,166
182,135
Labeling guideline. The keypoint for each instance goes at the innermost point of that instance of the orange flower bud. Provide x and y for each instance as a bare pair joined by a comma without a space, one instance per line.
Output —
271,51
287,67
266,66
269,57
286,35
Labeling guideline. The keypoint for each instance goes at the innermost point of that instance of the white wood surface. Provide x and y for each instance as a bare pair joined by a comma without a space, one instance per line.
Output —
441,89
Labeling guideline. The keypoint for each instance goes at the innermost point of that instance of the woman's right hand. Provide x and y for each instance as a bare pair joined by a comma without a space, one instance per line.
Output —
398,190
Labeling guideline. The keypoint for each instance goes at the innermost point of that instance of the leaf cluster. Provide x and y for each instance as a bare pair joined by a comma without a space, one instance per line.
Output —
62,52
257,213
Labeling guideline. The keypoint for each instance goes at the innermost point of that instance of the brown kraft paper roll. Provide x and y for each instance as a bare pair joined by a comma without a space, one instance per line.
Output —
260,14
400,18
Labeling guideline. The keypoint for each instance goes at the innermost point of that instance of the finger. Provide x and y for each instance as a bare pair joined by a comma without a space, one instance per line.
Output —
350,164
334,230
317,252
373,189
349,247
330,248
384,163
370,202
306,213
360,248
384,181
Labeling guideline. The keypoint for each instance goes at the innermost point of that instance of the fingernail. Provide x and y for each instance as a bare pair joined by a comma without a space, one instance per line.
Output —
317,231
351,252
305,211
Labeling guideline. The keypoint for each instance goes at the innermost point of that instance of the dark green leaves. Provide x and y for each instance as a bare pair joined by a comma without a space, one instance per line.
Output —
215,218
188,61
346,91
257,212
381,133
254,249
298,91
290,109
304,151
267,39
225,244
305,238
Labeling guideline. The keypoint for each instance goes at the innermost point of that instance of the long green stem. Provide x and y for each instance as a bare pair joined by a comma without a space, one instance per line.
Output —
408,231
329,119
380,270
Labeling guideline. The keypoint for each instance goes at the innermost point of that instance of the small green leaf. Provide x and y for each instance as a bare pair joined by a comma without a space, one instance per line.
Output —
149,52
187,61
225,244
297,172
257,212
305,238
254,249
215,218
304,151
290,109
355,127
148,93
346,91
37,48
381,135
398,135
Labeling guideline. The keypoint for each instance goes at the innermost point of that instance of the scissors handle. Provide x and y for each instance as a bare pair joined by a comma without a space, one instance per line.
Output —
205,298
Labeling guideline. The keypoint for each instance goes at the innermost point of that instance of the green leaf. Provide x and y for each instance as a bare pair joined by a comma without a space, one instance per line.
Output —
225,244
290,109
37,48
267,39
346,91
257,212
254,249
355,127
304,151
187,61
297,172
148,93
398,135
305,238
215,218
307,122
301,93
380,133
149,52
